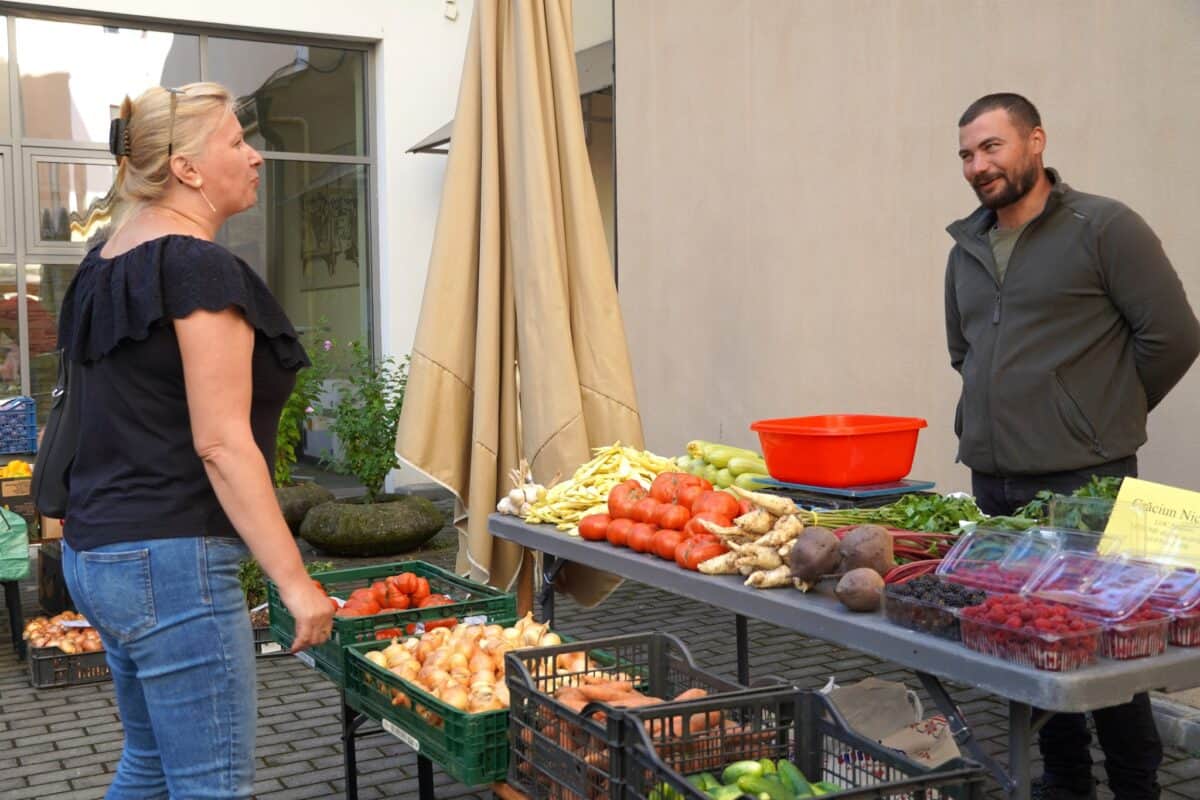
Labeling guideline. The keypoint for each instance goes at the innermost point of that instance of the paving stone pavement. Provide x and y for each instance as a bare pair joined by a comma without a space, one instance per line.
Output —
63,743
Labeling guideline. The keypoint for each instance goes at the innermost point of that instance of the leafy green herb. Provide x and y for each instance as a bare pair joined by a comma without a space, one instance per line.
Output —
254,581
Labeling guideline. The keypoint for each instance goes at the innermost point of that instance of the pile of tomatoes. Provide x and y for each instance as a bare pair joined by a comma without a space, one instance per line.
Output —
395,593
665,521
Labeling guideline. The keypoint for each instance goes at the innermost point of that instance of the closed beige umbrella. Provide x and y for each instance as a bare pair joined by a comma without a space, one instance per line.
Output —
520,280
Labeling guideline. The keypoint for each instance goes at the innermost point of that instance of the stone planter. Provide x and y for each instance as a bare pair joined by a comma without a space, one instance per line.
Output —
391,525
296,500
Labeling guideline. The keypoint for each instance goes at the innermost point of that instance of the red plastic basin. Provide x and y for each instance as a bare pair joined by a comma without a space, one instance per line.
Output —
839,450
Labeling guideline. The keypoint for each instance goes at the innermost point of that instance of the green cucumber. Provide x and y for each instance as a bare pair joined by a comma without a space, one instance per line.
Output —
740,768
710,781
731,792
768,766
793,778
759,785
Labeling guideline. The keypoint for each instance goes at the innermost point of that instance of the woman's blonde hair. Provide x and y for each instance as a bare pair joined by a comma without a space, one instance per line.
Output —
144,174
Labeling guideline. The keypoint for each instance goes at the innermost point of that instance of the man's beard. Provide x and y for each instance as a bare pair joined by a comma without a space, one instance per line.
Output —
1013,191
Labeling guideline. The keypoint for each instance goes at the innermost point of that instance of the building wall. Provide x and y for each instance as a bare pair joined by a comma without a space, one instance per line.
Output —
786,171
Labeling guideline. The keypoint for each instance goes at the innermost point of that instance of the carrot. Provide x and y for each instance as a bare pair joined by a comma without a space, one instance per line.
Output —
605,692
569,693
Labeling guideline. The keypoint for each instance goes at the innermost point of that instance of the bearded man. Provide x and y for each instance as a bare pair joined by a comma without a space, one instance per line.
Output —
1068,324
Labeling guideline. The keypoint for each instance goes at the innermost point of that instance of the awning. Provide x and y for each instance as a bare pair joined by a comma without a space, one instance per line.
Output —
595,66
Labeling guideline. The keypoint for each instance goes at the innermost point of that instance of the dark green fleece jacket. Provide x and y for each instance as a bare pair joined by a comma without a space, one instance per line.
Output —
1062,361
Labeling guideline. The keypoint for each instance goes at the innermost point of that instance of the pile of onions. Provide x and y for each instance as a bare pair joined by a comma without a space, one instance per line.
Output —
49,632
463,666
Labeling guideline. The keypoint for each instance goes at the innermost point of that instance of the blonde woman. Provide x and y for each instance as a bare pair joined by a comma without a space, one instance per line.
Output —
183,360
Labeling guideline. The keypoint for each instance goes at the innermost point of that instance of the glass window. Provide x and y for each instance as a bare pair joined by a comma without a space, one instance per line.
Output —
308,236
295,98
73,76
45,285
72,199
10,336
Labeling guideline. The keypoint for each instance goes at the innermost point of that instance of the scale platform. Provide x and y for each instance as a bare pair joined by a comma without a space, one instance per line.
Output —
846,496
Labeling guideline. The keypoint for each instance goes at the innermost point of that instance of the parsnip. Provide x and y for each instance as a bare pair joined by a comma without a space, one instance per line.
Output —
770,579
773,504
780,535
756,522
785,550
724,564
803,586
759,557
720,530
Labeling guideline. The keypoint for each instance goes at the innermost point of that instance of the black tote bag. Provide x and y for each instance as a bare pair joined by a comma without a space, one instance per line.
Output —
52,469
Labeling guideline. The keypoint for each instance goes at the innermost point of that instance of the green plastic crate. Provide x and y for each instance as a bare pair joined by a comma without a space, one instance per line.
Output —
471,599
472,748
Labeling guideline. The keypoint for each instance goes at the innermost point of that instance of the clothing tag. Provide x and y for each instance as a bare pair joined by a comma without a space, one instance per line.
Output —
402,735
259,607
306,659
340,602
75,623
478,619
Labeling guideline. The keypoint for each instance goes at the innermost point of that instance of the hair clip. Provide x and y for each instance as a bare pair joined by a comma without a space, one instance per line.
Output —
118,137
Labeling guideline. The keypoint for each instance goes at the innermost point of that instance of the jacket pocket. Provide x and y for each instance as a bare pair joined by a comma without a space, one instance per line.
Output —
1076,418
119,591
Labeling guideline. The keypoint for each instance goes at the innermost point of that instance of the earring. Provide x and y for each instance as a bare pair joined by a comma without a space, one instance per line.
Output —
202,194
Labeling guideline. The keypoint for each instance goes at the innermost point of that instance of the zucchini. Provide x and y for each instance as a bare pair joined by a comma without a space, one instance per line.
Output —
768,766
751,482
759,785
739,465
710,781
719,454
739,769
793,778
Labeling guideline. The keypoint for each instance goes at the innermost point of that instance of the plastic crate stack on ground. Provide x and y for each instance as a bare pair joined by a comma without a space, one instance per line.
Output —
18,425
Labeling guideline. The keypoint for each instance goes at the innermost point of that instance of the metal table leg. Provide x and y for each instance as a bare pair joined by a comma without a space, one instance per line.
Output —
743,649
1023,722
424,778
551,566
351,722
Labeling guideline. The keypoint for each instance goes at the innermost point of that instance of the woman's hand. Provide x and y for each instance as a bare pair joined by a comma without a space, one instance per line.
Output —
312,611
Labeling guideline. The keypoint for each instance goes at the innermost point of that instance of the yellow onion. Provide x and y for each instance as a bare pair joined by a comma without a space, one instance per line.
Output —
492,631
482,678
481,661
456,696
462,676
501,692
377,658
392,652
457,660
549,639
533,633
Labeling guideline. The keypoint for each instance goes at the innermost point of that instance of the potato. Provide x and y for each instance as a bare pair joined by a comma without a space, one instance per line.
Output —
868,546
814,553
860,589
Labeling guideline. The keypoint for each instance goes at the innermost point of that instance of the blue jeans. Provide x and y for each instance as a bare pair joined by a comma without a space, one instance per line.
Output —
174,623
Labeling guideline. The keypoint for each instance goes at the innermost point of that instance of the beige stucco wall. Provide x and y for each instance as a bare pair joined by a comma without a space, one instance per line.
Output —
786,169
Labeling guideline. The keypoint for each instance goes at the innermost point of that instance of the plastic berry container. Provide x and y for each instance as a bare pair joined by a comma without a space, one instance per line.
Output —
1142,635
906,605
1113,592
1044,636
998,561
1184,630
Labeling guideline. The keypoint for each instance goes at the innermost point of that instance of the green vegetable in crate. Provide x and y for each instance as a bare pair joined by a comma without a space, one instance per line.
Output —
664,791
738,769
761,786
718,454
793,778
768,766
741,465
731,792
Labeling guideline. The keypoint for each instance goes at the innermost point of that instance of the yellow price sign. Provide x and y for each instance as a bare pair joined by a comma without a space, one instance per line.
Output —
1155,521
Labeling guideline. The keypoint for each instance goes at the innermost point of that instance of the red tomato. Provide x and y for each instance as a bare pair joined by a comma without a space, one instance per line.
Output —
618,532
623,497
673,517
363,595
387,633
380,589
693,552
688,494
665,542
641,537
593,527
422,590
694,527
405,582
718,502
435,600
666,487
397,599
645,510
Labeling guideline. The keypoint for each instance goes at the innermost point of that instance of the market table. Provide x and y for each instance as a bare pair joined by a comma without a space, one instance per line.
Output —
821,616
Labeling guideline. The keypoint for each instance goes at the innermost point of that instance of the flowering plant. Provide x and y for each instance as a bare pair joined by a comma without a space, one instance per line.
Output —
298,407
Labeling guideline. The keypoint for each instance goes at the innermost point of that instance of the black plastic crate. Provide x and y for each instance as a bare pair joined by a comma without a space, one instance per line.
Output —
662,747
264,643
50,667
560,753
471,599
53,596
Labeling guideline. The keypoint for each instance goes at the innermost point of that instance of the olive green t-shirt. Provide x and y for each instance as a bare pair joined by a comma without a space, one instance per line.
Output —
1002,242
